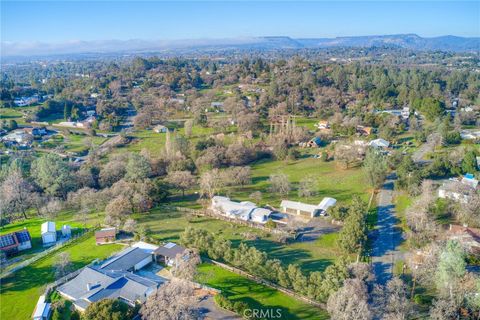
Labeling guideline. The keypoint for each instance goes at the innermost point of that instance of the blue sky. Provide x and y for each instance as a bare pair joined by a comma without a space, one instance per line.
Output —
89,20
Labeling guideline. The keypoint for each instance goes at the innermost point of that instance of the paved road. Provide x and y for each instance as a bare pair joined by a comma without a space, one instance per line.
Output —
387,237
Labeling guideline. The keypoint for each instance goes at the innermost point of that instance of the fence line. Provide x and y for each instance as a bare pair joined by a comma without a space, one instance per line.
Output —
268,283
9,271
211,214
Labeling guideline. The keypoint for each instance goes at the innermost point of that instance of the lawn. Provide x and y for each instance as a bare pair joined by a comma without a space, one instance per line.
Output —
166,225
154,142
258,296
332,181
33,225
15,113
20,291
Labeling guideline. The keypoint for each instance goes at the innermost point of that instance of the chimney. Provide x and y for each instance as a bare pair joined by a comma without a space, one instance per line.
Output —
89,286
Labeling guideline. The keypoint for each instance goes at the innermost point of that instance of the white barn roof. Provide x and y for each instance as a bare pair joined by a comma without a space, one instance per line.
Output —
326,203
48,226
298,206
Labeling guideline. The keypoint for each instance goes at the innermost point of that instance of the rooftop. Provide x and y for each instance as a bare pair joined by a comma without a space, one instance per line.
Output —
170,250
126,259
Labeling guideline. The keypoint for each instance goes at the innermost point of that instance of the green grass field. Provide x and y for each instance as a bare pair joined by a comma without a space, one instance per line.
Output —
331,181
167,225
258,296
20,291
33,226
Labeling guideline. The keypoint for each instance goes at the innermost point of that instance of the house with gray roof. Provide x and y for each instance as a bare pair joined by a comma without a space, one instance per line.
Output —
94,284
114,279
167,253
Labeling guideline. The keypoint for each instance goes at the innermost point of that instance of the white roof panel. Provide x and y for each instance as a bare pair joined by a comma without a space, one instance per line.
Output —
48,226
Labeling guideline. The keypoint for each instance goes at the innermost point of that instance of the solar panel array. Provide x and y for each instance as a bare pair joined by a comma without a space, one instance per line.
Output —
6,240
22,236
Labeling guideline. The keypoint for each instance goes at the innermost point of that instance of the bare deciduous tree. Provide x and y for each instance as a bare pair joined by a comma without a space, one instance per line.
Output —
350,302
185,266
62,265
174,300
15,193
279,184
188,127
130,225
210,183
182,180
307,187
391,301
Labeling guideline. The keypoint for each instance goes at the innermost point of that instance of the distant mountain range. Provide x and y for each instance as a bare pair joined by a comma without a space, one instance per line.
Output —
406,41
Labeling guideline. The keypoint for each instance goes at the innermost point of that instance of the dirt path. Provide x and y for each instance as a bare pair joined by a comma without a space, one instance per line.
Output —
387,237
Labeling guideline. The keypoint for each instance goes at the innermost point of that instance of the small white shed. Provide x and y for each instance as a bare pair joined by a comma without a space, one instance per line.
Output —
66,231
49,234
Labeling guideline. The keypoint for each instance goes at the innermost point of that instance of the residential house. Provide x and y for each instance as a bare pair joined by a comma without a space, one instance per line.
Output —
160,129
18,136
245,210
42,310
300,208
25,101
470,134
469,179
379,143
469,238
93,284
49,234
105,235
167,253
458,189
16,241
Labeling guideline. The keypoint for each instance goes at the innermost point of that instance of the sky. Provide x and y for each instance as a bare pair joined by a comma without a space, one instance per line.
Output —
54,21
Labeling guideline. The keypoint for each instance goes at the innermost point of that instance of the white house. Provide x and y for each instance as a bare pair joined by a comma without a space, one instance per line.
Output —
42,309
379,143
49,234
458,190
